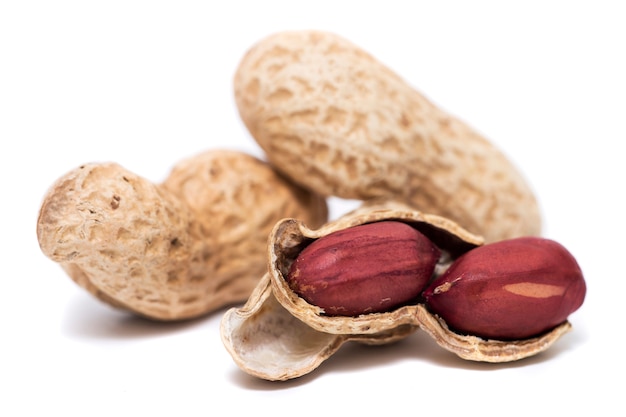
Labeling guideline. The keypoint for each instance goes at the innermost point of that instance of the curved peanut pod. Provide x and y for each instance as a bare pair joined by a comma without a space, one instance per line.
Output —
175,250
336,120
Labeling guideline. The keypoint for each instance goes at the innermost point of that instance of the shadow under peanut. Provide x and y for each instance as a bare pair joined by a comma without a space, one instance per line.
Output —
88,318
421,347
418,347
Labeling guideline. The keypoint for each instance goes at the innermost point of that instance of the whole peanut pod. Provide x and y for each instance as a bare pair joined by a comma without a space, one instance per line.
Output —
336,120
175,250
509,290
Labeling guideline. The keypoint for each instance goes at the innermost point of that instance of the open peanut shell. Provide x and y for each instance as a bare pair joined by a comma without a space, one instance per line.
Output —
277,335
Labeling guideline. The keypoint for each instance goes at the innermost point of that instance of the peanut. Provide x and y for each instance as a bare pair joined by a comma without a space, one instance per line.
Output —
508,290
278,323
336,120
364,269
175,250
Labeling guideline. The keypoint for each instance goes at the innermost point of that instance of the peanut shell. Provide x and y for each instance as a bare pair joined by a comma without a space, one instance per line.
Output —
277,335
336,120
175,250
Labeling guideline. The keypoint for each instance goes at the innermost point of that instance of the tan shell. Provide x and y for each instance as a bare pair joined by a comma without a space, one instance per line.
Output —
277,336
477,349
336,120
176,250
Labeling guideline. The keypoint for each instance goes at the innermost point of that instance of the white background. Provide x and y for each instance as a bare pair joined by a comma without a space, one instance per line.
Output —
147,83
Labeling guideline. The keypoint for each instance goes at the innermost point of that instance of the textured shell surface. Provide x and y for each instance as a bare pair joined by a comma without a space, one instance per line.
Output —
336,120
174,250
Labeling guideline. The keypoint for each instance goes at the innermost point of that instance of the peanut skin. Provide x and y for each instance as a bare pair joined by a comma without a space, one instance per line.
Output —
364,269
175,250
508,290
334,119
